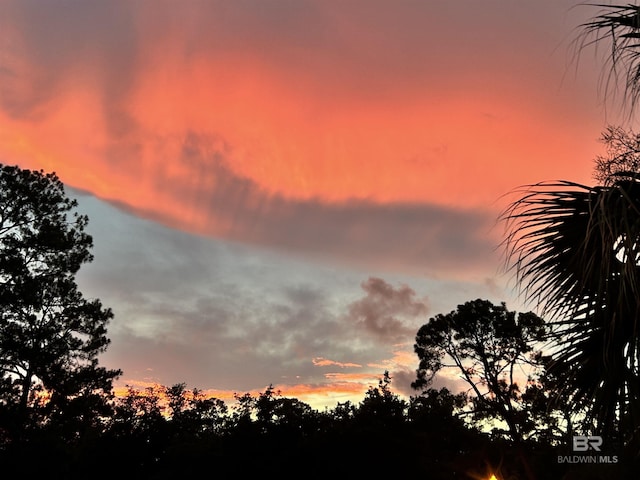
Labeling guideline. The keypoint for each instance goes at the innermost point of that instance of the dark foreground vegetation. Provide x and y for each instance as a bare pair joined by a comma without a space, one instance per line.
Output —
171,433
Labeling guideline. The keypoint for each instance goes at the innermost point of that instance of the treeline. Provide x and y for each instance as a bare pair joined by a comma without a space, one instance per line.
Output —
161,432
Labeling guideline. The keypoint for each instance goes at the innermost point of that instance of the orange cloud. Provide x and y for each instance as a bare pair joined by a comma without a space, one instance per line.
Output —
239,128
323,362
290,143
400,359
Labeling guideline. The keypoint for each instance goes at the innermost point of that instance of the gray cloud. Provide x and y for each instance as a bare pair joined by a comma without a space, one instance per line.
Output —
236,346
401,381
382,311
218,314
418,238
215,314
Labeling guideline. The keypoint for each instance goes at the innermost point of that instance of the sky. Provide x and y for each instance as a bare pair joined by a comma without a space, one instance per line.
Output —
283,191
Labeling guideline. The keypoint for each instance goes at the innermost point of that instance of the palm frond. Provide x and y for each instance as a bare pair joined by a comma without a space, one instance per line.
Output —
574,250
618,25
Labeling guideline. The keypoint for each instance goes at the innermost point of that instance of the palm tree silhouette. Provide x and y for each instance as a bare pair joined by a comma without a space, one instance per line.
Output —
575,250
619,25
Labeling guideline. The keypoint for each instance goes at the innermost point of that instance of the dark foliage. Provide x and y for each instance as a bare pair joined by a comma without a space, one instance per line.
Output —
492,350
50,335
163,432
618,27
574,248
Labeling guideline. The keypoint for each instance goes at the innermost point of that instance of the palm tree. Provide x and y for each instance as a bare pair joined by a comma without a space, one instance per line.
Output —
619,24
575,250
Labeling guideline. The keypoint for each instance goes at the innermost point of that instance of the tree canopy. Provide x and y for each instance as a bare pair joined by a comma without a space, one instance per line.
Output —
492,350
50,335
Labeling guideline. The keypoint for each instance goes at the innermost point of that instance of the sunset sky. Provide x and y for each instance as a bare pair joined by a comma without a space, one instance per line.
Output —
282,191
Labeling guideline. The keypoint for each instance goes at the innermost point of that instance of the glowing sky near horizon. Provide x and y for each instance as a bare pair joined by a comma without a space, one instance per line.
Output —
370,139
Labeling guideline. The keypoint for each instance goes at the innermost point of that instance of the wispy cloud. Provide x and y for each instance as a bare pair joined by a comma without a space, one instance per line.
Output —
323,362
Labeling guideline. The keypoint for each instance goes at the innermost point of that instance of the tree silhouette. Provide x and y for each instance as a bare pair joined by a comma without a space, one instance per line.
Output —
381,408
192,413
622,158
489,347
50,335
